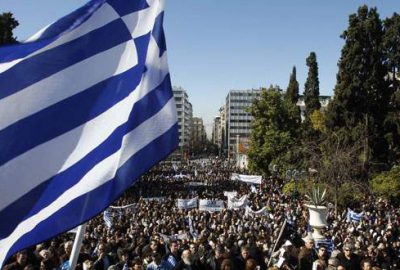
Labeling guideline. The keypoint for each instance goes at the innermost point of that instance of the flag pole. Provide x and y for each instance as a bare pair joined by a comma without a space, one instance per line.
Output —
276,242
77,246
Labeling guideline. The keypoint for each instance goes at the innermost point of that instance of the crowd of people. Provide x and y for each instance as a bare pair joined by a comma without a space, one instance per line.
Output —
147,230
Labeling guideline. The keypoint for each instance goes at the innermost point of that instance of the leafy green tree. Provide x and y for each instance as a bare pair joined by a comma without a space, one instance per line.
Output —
7,25
292,92
311,87
275,130
391,50
361,96
387,184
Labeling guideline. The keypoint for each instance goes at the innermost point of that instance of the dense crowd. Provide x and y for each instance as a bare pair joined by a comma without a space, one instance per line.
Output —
155,234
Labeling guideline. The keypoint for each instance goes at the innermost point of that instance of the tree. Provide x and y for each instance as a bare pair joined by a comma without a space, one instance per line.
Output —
311,87
292,92
275,128
391,50
7,25
334,161
361,95
387,184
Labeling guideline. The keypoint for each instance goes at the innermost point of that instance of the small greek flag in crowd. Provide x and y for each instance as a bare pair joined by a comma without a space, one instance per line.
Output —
327,243
353,216
86,108
107,218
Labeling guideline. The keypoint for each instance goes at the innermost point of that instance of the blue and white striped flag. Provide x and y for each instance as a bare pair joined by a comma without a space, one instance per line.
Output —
353,216
107,218
86,108
327,243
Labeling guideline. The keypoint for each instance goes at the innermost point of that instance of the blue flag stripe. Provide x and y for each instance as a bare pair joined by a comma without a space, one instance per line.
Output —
62,56
104,140
40,196
102,96
123,7
67,23
59,148
69,218
158,34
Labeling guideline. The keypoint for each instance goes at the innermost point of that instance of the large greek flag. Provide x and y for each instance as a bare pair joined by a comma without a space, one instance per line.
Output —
86,107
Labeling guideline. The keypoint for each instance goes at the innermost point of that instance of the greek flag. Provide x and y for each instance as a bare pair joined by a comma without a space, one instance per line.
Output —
86,108
327,243
353,216
107,218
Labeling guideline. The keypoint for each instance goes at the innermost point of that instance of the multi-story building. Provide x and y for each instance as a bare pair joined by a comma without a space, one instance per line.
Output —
184,111
237,118
199,136
216,131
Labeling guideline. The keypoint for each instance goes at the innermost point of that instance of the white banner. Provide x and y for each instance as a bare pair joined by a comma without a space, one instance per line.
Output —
181,176
251,179
195,184
262,212
159,199
230,193
187,203
211,205
133,206
234,203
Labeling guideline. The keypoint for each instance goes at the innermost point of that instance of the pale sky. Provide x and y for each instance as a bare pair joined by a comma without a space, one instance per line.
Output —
218,45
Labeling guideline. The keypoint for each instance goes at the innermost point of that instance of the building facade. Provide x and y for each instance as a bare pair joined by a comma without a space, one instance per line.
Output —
237,118
184,112
215,137
199,136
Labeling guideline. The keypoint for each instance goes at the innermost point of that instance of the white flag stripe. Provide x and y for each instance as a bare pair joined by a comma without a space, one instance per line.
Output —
101,173
101,17
67,83
140,23
37,35
63,150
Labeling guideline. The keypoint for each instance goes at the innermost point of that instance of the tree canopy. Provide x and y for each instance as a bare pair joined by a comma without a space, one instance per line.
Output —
7,24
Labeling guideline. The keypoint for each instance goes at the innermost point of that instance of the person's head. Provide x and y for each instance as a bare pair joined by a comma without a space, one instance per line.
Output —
187,257
46,265
244,252
193,248
333,262
219,251
68,247
251,264
156,257
173,247
366,265
226,265
125,255
322,253
101,248
153,245
347,250
88,265
137,265
341,267
22,257
309,243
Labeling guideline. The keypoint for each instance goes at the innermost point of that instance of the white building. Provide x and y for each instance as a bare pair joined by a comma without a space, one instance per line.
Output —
324,100
237,118
184,111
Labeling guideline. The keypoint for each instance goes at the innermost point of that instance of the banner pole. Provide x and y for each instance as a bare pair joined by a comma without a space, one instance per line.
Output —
77,246
276,242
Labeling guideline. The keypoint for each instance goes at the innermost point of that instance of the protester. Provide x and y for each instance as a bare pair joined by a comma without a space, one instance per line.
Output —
149,231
